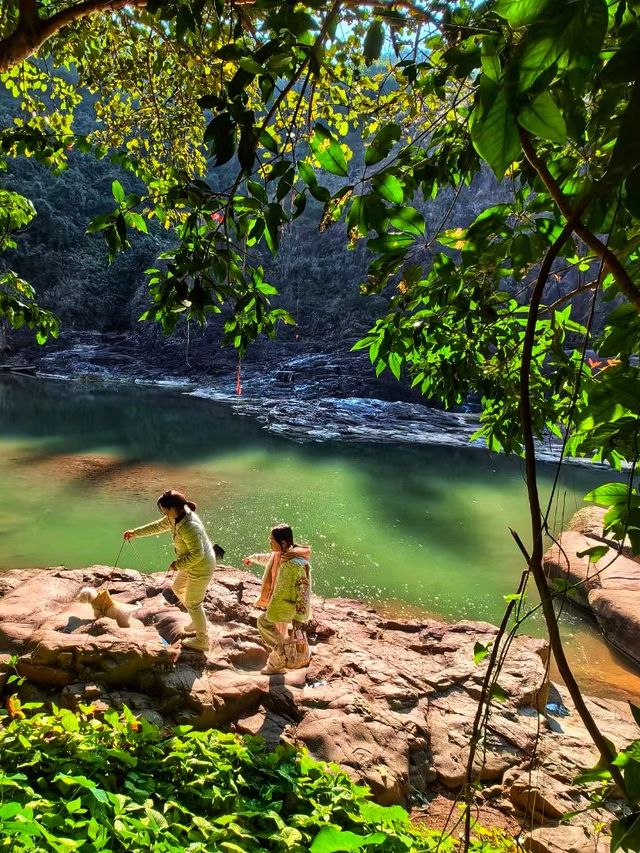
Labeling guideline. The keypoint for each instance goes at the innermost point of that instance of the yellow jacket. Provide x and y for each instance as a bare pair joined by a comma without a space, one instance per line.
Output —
286,585
193,549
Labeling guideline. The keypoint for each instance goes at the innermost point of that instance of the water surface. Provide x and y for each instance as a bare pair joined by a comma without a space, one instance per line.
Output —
418,528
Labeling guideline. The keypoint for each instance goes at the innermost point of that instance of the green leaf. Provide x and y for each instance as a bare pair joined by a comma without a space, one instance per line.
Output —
258,191
608,494
626,152
544,119
390,242
594,554
268,141
395,363
328,151
373,42
299,204
381,144
407,219
631,775
221,132
569,32
333,840
519,13
623,65
356,220
625,833
632,193
498,693
491,66
494,134
389,187
118,191
305,170
480,652
136,221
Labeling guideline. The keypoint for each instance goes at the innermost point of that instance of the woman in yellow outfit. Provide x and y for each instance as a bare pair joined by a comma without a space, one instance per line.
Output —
195,559
285,592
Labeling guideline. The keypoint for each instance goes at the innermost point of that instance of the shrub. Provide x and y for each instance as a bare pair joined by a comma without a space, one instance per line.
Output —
76,782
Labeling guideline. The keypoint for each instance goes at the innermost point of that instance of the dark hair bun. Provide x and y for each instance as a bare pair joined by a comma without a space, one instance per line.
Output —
175,500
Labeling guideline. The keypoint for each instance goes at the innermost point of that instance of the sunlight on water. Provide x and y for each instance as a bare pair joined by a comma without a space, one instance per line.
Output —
418,529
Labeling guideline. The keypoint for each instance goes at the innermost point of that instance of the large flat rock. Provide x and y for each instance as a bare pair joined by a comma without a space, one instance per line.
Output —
391,701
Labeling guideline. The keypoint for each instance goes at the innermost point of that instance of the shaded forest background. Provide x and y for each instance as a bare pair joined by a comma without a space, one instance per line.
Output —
317,275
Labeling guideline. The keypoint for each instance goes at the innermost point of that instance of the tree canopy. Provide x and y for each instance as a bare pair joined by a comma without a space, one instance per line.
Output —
544,94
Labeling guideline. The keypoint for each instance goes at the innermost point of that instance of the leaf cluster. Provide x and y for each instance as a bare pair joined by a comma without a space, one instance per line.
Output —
75,782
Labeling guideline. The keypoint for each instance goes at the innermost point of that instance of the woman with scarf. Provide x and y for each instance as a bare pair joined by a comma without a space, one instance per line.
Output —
285,592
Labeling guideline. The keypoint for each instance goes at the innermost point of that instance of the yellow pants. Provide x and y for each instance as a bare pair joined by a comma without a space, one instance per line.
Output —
190,585
272,633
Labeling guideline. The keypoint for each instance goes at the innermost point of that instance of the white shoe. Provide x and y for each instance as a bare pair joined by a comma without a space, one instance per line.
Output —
201,644
275,664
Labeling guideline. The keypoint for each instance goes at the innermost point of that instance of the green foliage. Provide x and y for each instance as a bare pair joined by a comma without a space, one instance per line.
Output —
75,782
625,831
622,519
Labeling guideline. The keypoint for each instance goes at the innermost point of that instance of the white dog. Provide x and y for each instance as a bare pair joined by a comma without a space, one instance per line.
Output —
104,605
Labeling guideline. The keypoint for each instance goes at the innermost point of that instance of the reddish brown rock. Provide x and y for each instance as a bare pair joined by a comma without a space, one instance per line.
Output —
566,839
609,589
618,615
391,702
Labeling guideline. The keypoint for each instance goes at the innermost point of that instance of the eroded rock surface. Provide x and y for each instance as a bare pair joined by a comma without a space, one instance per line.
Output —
608,589
391,701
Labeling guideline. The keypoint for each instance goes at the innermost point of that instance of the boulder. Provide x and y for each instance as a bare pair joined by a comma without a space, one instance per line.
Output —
561,562
618,615
609,589
566,839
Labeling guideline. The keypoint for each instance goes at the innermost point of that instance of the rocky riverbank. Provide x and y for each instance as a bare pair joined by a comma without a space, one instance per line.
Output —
608,589
391,701
337,395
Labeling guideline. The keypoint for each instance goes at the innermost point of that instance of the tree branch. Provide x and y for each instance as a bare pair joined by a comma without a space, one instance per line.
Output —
28,14
585,288
535,562
609,258
31,33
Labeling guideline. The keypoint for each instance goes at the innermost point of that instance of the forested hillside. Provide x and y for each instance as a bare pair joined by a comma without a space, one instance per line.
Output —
318,276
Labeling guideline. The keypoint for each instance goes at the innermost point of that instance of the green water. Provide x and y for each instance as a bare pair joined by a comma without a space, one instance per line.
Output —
418,528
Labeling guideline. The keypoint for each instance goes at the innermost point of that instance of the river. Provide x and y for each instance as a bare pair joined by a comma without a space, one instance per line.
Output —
412,529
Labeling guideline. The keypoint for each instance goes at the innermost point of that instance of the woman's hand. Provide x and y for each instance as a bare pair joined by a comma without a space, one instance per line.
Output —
247,561
128,534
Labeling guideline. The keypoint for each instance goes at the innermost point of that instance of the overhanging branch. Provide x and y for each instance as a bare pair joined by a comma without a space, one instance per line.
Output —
609,258
535,561
32,32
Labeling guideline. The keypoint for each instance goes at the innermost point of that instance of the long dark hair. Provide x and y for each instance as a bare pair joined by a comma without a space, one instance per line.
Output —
283,535
175,500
